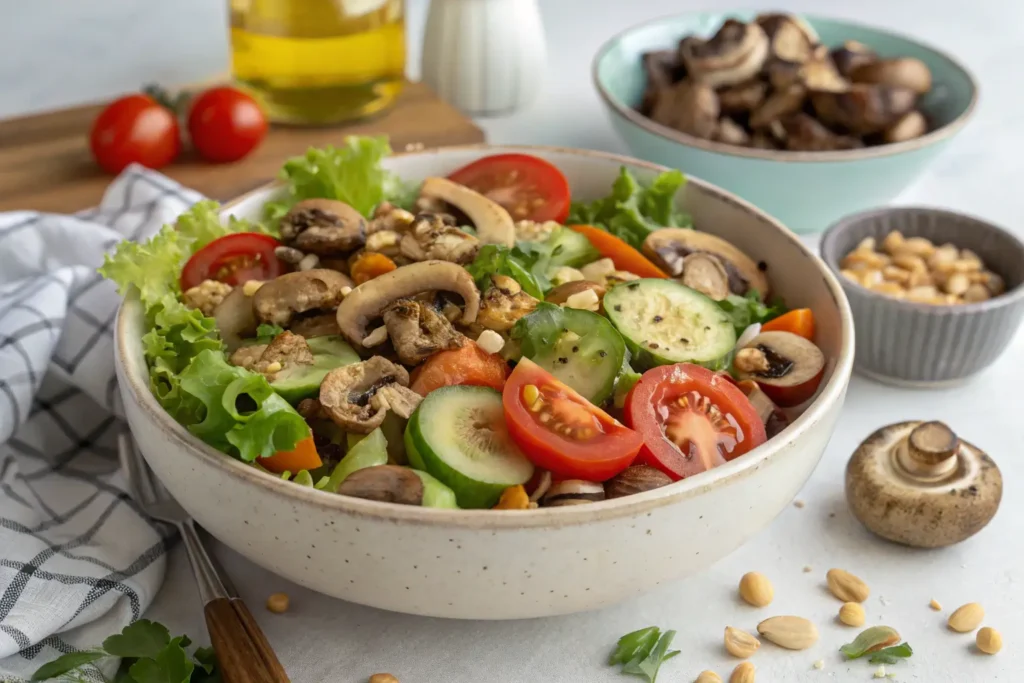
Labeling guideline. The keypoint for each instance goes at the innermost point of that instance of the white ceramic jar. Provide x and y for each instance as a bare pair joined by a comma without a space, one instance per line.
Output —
486,57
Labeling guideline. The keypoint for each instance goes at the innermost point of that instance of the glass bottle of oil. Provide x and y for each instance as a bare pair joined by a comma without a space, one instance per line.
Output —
319,61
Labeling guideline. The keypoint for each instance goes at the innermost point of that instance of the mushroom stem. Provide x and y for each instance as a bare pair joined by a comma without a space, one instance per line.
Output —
929,452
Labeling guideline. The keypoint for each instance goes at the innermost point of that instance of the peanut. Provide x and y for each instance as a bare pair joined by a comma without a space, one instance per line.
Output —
989,640
740,643
743,673
792,633
846,586
756,589
852,614
966,618
278,603
708,676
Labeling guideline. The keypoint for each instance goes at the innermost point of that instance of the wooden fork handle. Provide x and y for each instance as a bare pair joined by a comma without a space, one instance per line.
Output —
242,650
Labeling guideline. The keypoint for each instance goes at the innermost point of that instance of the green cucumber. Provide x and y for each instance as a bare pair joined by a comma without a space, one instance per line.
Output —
436,494
570,248
664,322
299,381
458,435
369,451
581,349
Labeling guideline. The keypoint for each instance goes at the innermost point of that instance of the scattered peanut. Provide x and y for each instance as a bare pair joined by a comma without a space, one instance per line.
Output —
756,589
846,586
792,633
743,673
914,269
251,287
278,603
740,643
708,677
935,605
383,678
799,504
852,614
989,640
966,618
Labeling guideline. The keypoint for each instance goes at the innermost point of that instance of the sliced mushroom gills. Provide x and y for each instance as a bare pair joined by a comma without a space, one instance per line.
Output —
670,248
747,83
787,367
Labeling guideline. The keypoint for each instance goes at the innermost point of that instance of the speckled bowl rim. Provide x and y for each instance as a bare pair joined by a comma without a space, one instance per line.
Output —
636,118
128,354
851,222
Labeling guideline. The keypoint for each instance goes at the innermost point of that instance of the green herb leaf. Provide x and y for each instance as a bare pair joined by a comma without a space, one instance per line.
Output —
642,652
747,310
67,663
170,665
496,259
143,638
891,655
632,211
868,639
265,333
633,645
206,670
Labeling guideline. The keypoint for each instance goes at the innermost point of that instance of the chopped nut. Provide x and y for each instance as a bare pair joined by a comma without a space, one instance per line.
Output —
756,589
966,618
740,643
598,270
852,614
935,605
278,603
880,671
751,360
378,336
251,287
820,664
206,296
273,367
490,341
989,640
586,300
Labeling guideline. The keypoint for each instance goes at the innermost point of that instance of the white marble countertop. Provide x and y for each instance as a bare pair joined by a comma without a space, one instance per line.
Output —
321,639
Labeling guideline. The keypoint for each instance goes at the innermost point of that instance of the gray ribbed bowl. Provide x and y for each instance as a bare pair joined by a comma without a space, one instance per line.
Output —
910,344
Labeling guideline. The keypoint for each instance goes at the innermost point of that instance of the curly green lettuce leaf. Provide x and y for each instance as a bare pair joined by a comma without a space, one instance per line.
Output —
747,310
516,263
242,415
633,211
351,173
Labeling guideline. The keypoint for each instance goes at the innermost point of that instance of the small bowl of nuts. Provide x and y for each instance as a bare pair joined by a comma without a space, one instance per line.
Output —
936,295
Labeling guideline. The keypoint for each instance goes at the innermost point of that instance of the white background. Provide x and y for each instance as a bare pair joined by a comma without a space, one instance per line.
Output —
56,52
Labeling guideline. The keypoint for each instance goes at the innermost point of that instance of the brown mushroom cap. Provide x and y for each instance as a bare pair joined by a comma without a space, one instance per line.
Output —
918,484
902,72
850,56
367,301
734,54
780,104
791,39
323,226
670,246
418,331
350,395
235,318
864,108
321,325
705,273
805,133
277,301
742,97
690,107
492,221
912,125
384,483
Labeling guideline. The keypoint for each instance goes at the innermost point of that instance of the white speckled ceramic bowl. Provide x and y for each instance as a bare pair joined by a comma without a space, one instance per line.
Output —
483,564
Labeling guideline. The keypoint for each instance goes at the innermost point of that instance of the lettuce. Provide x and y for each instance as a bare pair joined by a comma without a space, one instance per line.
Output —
516,263
351,173
747,310
369,451
632,211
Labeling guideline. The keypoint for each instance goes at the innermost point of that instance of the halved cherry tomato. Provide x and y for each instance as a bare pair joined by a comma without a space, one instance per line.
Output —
225,124
799,321
561,431
468,365
135,129
527,186
625,257
302,457
691,419
234,259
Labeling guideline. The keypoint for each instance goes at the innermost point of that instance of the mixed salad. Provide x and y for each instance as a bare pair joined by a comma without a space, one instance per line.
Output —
475,341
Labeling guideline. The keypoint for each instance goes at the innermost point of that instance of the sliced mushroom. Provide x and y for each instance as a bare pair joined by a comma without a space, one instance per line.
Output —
902,72
864,108
705,273
782,74
323,226
790,38
912,125
432,238
349,394
742,97
504,303
367,301
821,74
851,56
763,140
690,107
661,69
779,105
805,133
402,401
734,54
235,318
635,479
384,483
319,325
732,133
573,492
493,223
417,331
786,366
773,418
669,247
278,301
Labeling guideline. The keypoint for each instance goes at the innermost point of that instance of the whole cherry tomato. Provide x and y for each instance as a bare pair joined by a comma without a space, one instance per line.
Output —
135,129
225,124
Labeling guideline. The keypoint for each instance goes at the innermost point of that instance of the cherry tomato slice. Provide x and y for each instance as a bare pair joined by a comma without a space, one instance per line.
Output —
135,129
691,419
561,431
234,259
528,187
225,124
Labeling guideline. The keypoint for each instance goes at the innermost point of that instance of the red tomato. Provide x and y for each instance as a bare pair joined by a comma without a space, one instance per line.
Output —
691,419
234,259
467,365
135,129
561,431
528,187
225,124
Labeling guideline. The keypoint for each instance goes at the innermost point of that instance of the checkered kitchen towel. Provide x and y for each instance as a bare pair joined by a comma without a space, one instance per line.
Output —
78,561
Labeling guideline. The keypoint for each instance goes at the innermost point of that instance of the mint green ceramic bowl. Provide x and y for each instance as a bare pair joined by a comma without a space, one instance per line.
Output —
807,191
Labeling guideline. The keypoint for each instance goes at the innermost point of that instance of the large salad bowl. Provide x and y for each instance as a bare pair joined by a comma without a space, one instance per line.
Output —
488,564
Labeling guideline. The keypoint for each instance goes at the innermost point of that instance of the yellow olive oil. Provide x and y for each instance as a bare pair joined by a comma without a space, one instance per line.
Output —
319,61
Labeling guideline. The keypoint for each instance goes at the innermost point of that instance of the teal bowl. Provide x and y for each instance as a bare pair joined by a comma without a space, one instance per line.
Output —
807,191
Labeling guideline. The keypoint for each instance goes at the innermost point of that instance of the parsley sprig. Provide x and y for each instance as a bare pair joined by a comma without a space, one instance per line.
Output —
642,652
149,655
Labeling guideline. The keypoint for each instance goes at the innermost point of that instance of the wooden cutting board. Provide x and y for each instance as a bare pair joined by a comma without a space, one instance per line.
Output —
45,163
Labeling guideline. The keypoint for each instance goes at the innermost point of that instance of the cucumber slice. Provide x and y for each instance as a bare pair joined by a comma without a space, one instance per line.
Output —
297,382
664,322
580,348
570,248
458,435
436,494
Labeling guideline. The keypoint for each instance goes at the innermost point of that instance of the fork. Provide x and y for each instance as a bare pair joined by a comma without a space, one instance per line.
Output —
244,654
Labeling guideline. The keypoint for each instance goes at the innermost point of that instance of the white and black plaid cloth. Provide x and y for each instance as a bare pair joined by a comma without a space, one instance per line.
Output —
77,559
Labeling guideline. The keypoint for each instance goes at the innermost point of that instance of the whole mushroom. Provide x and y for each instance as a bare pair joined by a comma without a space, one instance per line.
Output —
903,72
734,54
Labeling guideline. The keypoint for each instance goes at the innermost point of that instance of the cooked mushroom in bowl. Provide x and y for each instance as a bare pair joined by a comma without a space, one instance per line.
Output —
571,373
